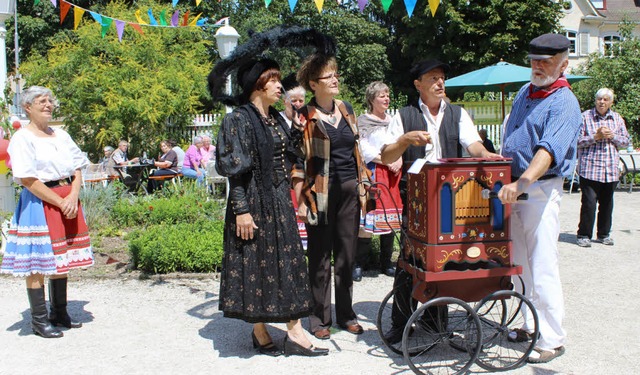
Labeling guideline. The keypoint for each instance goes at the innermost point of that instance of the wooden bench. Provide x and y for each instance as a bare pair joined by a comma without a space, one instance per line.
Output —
168,177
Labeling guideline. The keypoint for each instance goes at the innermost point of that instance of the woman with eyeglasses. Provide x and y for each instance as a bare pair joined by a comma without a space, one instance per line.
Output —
326,184
48,235
166,165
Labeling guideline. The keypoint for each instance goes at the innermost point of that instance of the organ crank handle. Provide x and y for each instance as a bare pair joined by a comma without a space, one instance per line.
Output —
487,194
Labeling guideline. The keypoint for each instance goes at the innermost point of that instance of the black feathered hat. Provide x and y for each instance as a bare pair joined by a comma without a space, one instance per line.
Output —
246,53
289,82
250,72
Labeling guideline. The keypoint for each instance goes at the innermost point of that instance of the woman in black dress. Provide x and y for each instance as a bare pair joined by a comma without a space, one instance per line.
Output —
264,274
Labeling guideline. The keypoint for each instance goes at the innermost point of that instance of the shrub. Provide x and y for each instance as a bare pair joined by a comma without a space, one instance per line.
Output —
184,247
97,203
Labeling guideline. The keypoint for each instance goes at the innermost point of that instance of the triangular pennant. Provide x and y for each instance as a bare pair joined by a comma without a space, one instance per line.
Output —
140,20
174,3
266,3
319,5
411,6
36,2
120,29
221,21
77,16
64,9
96,17
163,22
137,28
433,5
362,4
292,4
55,3
152,20
202,21
193,22
106,23
185,19
198,2
386,4
175,18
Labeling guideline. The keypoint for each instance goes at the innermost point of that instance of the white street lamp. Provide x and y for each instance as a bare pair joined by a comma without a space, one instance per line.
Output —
227,40
7,10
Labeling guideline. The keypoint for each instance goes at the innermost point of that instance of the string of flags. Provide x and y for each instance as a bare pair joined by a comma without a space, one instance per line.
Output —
175,20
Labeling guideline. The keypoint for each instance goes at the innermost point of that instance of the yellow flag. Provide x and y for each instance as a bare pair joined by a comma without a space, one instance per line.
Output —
77,16
319,5
198,2
193,22
140,20
433,5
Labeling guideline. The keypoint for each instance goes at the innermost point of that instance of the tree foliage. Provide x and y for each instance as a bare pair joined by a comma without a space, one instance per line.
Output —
111,90
618,72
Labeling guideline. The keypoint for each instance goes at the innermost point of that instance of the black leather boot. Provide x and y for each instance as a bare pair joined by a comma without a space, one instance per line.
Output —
58,310
386,250
39,321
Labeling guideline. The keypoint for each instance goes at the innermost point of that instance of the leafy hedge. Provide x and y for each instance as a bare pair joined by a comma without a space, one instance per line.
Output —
184,247
173,209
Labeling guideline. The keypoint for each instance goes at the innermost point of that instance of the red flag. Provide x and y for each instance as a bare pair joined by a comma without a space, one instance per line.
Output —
137,28
64,9
185,19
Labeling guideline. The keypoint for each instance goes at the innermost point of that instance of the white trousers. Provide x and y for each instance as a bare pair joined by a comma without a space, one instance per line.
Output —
535,228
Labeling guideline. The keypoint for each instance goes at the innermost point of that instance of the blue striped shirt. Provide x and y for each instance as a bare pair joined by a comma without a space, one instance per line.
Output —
552,123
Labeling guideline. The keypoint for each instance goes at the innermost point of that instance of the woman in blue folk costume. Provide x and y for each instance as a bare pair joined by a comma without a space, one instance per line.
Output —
48,234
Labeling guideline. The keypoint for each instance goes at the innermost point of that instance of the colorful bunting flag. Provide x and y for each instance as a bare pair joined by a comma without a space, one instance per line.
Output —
185,19
77,16
193,22
152,20
175,18
96,17
64,9
411,6
163,22
362,4
174,3
292,4
433,5
140,20
386,4
55,4
198,2
137,28
201,22
266,3
120,29
319,5
106,23
221,21
36,2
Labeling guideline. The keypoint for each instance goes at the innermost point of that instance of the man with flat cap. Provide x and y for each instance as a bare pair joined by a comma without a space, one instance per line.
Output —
541,136
432,129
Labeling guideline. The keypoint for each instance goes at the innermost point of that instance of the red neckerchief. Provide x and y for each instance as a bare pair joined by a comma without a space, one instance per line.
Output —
543,93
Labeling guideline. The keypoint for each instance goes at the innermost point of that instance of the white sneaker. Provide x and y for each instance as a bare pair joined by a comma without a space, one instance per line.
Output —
606,241
583,242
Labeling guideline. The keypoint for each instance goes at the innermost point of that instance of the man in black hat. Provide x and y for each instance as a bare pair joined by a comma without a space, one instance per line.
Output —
431,129
541,136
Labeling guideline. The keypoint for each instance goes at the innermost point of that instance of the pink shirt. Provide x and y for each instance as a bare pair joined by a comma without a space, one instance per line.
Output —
207,154
192,158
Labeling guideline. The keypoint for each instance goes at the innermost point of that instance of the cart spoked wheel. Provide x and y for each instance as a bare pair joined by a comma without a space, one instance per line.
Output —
399,298
435,333
501,314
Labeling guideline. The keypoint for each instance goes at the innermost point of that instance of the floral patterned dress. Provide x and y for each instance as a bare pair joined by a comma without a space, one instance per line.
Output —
264,279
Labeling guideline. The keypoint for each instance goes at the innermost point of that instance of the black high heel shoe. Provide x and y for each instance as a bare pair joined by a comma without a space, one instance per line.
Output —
293,348
268,349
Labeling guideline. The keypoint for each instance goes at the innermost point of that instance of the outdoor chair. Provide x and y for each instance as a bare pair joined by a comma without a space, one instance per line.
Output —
629,165
94,174
214,178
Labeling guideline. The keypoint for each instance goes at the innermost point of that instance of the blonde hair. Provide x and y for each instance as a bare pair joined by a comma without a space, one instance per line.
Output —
372,91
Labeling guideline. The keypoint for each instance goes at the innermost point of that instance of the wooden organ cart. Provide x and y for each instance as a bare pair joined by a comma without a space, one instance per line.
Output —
457,250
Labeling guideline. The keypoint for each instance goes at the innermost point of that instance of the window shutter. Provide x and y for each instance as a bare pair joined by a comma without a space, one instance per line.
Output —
583,48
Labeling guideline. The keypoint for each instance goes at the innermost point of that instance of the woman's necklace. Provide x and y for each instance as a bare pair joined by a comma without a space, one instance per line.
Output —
330,114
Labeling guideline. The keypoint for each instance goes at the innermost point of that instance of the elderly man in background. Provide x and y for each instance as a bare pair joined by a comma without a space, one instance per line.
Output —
603,132
541,135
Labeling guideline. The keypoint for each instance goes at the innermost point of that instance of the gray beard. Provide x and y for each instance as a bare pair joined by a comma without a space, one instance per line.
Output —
542,82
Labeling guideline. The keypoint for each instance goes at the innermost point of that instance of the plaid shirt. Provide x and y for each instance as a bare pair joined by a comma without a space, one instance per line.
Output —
598,160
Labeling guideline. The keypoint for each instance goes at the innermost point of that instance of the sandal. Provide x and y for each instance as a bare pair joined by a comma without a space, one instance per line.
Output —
539,355
519,335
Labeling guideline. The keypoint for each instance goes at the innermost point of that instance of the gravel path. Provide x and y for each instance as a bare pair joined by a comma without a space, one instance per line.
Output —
172,325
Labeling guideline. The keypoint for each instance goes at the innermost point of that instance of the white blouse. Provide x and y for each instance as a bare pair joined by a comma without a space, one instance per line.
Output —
47,159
